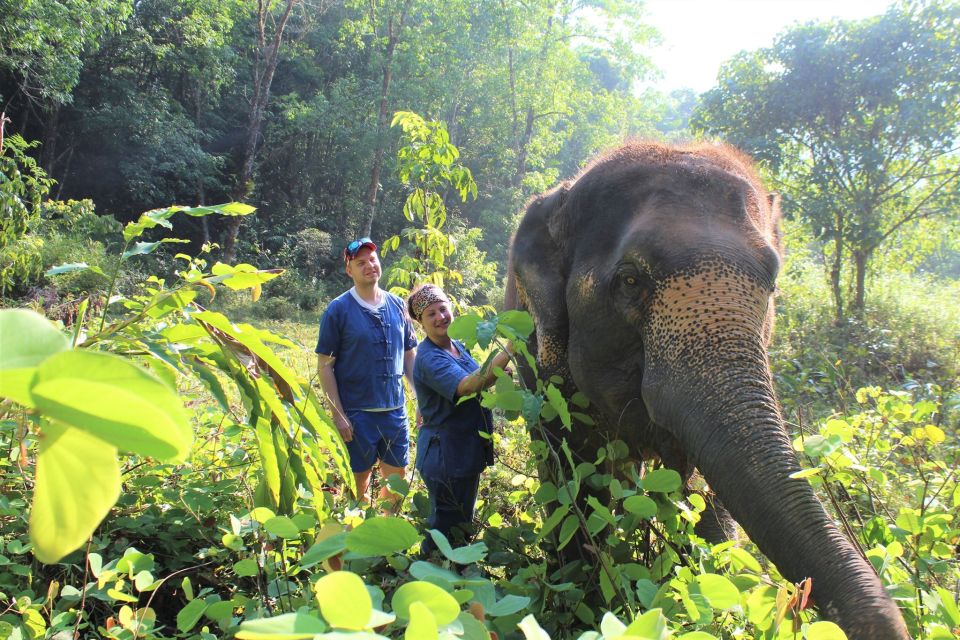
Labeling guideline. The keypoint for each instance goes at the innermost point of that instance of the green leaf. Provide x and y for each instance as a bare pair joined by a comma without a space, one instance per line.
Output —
282,527
114,400
718,590
650,626
71,268
441,604
806,473
697,635
190,615
824,630
462,555
743,558
559,404
289,626
77,481
220,610
611,626
508,605
520,321
567,529
552,521
532,405
531,629
510,400
485,332
382,536
28,339
230,209
143,248
662,481
425,571
464,328
949,606
641,506
422,626
324,549
344,600
246,568
149,220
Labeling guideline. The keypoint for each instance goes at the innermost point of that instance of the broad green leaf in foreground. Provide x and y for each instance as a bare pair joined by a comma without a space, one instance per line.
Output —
422,625
382,536
114,400
464,328
440,603
28,339
289,626
344,600
77,481
532,629
652,625
718,590
824,630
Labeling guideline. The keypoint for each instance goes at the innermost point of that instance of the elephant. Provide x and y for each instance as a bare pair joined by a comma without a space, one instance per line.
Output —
650,278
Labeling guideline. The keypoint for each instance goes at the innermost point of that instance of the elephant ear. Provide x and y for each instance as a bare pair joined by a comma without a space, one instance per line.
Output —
538,277
776,220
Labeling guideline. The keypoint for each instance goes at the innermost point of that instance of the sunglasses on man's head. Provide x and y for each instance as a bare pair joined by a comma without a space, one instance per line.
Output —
354,247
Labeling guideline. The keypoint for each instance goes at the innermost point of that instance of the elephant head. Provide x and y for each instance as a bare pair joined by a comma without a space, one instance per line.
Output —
650,279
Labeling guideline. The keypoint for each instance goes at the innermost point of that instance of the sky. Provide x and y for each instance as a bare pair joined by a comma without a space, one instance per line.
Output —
700,35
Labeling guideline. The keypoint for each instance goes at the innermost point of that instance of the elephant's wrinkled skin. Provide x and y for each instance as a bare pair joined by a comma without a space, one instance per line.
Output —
650,279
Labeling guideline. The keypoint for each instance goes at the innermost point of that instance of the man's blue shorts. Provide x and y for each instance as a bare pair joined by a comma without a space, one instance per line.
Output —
378,435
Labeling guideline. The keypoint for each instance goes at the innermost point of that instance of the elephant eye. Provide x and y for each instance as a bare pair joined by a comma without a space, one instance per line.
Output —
631,280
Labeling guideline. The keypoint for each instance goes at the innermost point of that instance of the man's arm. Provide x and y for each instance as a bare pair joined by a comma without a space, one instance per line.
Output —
328,382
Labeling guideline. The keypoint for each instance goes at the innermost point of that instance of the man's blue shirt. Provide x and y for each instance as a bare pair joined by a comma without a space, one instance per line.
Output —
449,444
369,348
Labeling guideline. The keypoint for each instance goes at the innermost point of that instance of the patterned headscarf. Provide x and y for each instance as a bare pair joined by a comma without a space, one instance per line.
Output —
425,296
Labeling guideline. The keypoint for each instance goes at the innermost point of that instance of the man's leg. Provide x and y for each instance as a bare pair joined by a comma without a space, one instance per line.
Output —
363,454
394,453
393,500
362,478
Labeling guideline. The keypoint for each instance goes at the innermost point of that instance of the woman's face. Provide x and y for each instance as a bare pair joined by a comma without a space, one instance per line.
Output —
435,320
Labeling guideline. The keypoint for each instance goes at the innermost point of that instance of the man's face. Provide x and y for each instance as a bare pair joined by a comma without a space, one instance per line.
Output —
364,268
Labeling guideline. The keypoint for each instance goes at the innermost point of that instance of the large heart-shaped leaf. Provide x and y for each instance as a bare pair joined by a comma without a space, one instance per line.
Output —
441,604
28,339
382,536
115,400
344,600
77,481
289,626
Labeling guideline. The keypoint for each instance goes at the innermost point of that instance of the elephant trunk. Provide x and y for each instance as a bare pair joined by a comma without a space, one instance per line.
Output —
710,386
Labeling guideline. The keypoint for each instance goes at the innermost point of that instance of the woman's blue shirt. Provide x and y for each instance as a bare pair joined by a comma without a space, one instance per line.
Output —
450,444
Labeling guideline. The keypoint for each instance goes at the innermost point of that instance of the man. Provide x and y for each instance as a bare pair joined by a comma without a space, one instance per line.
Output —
365,347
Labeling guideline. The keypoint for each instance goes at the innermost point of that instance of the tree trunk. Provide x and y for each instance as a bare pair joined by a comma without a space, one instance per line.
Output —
523,144
267,57
394,28
51,134
836,271
861,258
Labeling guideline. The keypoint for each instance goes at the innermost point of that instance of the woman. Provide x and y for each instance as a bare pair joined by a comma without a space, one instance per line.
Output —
454,444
